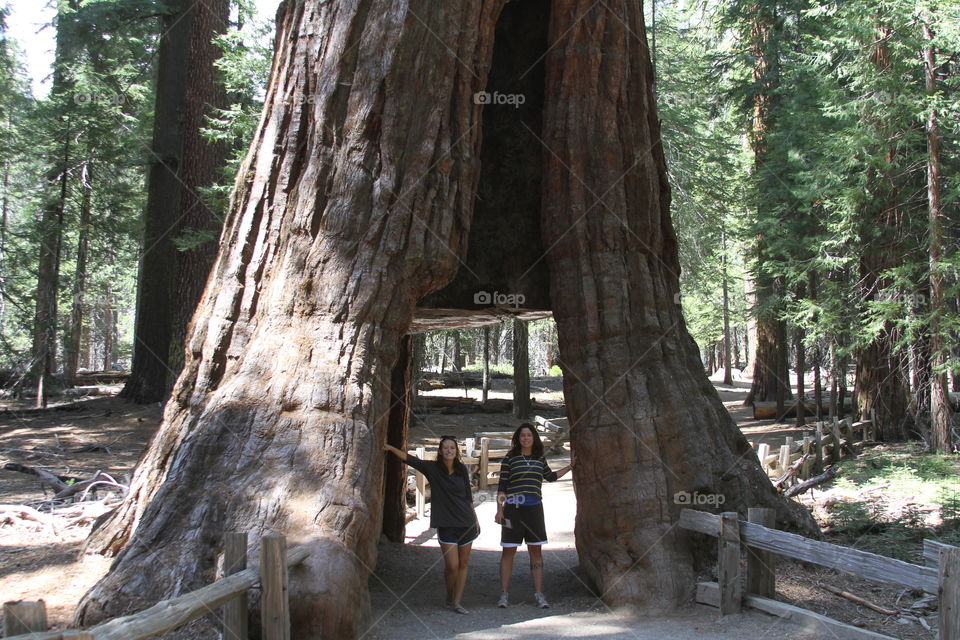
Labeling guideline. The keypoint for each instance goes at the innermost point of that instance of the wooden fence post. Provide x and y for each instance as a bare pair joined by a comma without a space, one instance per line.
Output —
950,594
274,580
421,487
763,450
484,462
24,617
784,461
808,463
234,561
818,448
837,441
761,574
731,593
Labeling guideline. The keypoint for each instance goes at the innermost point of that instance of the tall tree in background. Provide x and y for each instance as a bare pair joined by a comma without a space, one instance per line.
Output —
182,164
51,222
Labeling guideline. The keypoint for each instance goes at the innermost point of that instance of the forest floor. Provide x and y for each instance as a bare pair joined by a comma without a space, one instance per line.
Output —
41,559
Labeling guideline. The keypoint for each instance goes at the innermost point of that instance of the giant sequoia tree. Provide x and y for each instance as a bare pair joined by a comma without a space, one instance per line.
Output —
354,202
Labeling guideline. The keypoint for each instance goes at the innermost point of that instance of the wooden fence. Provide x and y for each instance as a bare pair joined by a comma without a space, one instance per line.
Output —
230,593
756,589
806,458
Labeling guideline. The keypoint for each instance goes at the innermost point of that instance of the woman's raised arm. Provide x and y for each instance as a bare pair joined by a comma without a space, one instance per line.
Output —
397,452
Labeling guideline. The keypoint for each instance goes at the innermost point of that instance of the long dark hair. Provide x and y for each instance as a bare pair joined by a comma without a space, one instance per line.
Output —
458,466
515,447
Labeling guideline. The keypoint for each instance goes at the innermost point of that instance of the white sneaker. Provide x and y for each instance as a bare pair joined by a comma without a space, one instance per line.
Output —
541,601
503,602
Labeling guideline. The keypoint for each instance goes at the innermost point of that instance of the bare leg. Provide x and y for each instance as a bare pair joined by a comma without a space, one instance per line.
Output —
506,567
451,569
536,566
464,558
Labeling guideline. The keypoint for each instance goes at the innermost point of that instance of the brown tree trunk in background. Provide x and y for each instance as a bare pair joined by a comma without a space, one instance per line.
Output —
170,282
201,167
398,424
770,382
834,381
521,370
351,206
646,422
158,261
485,386
51,219
71,354
109,321
880,384
4,215
457,357
941,419
801,372
727,365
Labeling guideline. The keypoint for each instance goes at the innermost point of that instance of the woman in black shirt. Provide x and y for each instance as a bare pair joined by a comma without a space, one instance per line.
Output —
451,512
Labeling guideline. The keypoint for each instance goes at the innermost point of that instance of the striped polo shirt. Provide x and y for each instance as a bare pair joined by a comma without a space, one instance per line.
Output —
521,477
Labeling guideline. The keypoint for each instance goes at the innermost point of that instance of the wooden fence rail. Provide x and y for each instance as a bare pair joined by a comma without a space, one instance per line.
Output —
176,612
943,580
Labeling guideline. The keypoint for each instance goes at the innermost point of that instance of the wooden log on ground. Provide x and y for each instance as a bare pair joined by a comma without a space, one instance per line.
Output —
23,616
768,410
170,614
709,593
761,572
49,479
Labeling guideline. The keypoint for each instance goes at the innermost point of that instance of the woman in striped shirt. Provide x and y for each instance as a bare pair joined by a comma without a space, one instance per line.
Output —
520,508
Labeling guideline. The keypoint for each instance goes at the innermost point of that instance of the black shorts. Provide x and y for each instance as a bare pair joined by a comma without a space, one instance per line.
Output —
459,536
525,525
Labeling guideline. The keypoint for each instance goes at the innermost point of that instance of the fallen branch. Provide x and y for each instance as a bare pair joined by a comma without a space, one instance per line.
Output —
826,476
47,478
859,600
792,471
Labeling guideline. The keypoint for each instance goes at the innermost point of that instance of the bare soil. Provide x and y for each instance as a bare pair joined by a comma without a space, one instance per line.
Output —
43,560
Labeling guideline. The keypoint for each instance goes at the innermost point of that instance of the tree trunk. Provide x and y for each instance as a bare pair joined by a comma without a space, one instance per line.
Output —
150,371
398,424
521,370
201,167
646,422
727,365
801,372
941,420
485,386
278,419
184,163
72,350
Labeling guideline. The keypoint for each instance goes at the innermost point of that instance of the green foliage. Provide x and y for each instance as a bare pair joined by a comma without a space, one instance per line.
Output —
891,518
